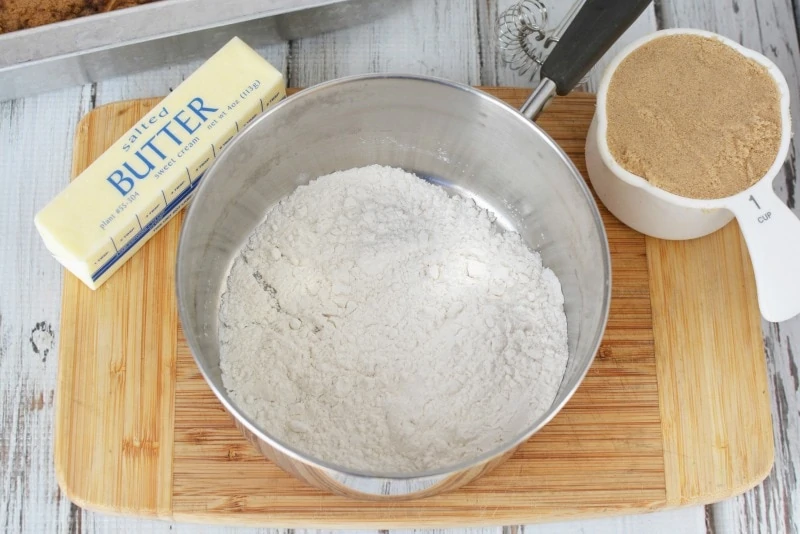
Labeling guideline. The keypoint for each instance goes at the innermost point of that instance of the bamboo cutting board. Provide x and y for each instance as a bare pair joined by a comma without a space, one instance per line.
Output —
674,411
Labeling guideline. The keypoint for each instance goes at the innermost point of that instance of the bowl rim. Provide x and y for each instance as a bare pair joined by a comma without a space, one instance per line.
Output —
230,406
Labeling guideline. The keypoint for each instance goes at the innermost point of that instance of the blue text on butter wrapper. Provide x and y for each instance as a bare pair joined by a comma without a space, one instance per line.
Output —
188,120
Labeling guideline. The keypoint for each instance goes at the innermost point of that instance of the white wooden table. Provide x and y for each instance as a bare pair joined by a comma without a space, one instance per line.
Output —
449,38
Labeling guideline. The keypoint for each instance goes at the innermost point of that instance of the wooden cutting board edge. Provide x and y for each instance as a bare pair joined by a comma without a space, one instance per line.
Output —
743,465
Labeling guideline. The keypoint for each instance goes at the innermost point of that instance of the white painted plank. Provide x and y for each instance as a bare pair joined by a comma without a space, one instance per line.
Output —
35,140
494,530
686,521
159,82
96,524
432,37
100,524
767,26
495,72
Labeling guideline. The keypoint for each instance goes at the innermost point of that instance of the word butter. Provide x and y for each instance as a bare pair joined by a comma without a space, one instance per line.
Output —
108,212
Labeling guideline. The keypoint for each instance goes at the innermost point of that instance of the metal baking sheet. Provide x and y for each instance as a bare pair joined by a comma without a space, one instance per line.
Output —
165,32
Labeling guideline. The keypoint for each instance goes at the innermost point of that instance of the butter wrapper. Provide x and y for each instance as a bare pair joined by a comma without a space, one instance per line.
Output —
108,212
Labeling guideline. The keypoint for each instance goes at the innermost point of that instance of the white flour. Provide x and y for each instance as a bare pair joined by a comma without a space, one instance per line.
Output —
375,322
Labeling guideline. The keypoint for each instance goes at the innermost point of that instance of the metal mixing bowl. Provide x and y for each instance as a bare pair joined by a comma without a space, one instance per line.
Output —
455,136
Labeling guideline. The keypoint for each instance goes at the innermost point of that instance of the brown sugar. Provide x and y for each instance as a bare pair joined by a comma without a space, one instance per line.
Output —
22,14
693,117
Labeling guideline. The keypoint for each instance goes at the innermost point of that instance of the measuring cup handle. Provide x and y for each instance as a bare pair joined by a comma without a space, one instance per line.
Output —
772,233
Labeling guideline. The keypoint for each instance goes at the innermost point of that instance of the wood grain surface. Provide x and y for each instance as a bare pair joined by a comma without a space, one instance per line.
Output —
36,136
138,430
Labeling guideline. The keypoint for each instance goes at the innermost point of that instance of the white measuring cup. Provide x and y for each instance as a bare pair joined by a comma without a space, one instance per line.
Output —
771,230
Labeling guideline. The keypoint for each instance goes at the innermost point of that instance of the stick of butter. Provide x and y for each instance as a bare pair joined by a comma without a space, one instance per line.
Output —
108,212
